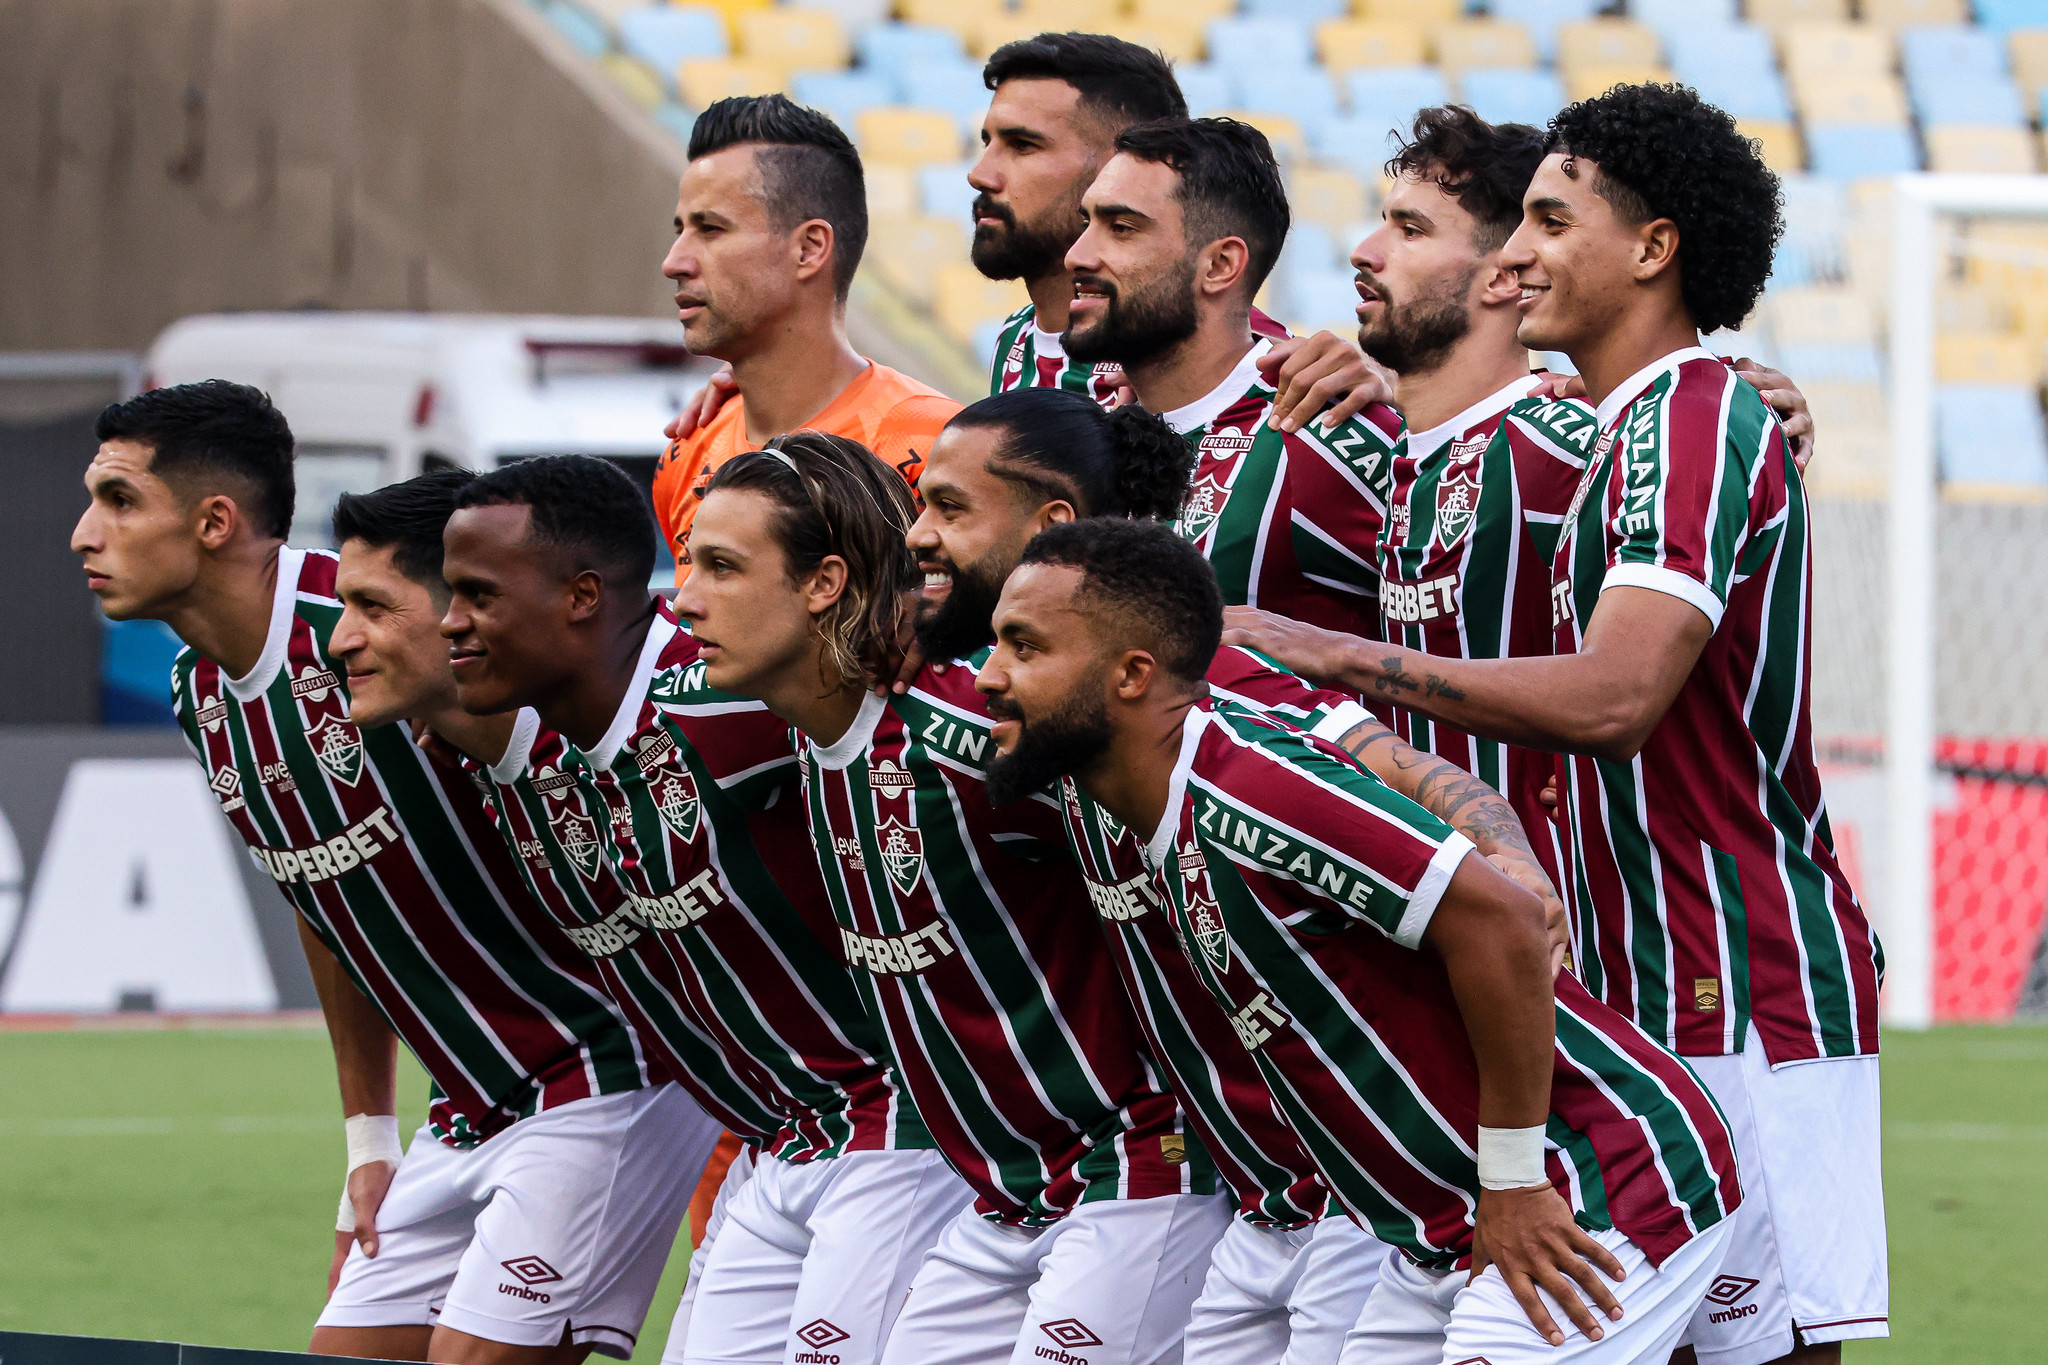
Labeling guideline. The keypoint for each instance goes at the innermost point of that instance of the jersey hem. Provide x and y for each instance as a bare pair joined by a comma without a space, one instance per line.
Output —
1430,890
1670,582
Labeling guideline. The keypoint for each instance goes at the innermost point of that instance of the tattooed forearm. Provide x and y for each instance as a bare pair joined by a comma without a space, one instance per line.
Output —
1440,787
1434,686
1394,678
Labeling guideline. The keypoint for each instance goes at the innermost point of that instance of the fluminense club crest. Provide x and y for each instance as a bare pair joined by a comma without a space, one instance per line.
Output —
1457,503
675,796
577,834
1204,916
339,747
1203,506
902,853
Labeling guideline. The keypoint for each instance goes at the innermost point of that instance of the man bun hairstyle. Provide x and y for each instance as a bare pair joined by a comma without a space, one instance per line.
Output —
1158,587
1230,183
1060,446
1660,151
1119,82
834,497
1485,166
588,510
808,167
211,431
407,518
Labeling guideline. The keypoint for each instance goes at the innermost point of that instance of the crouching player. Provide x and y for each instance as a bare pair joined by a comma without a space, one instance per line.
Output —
1522,1146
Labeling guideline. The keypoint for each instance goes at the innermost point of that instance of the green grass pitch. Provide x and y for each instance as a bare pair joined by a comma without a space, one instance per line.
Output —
179,1184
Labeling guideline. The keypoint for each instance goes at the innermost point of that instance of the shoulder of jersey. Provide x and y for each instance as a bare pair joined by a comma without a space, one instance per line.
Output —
953,681
1233,663
679,679
1568,424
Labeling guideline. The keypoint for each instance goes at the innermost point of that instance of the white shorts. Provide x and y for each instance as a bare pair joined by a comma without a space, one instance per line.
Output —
1283,1296
813,1259
737,1174
564,1220
1808,1250
1112,1283
1437,1317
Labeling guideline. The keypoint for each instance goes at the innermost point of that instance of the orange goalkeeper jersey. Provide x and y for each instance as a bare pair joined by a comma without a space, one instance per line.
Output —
885,410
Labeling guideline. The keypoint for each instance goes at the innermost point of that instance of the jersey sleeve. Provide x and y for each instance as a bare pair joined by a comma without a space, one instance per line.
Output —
906,434
1006,370
1341,506
1685,466
1349,844
1249,678
1549,442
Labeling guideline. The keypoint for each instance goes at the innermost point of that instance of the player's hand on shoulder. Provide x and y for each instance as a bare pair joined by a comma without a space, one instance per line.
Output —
699,411
1307,651
1314,372
1776,388
1528,1235
1554,386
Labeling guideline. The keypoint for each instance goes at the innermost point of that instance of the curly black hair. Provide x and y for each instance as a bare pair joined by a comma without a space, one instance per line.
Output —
1484,166
1060,446
1159,588
1663,152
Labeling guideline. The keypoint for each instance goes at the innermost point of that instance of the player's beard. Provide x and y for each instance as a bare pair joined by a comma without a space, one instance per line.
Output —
1415,337
1141,324
960,624
1017,251
1047,749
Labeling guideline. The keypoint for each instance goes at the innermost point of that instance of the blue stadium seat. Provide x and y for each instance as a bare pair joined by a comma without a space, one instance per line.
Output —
888,49
954,86
1841,363
1320,295
1260,44
1980,101
1358,142
943,191
579,26
1934,50
1309,11
842,94
1306,96
1991,433
662,35
1206,87
1843,152
1816,214
1671,18
1543,18
1733,66
2003,16
1384,99
676,119
1506,95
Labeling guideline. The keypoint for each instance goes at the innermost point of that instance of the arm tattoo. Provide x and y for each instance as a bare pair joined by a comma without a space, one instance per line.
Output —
1445,790
1393,677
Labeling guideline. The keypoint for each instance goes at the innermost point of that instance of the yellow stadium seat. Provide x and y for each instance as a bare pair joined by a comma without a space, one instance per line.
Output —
1177,42
1820,315
1607,42
963,299
993,30
706,80
1583,83
1428,13
1780,142
1289,143
892,190
1332,198
1825,52
1854,422
636,78
1779,13
1981,151
898,136
1180,11
1985,358
1482,42
733,9
1899,13
961,16
793,39
1345,44
909,250
1066,16
2009,257
2028,49
1862,100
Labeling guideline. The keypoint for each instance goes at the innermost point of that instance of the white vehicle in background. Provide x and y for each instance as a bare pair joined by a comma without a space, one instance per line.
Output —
377,397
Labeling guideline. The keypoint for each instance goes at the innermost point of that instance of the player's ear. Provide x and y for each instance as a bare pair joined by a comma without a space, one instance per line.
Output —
1503,286
586,595
215,518
826,585
1223,266
813,243
1656,248
1053,514
1136,674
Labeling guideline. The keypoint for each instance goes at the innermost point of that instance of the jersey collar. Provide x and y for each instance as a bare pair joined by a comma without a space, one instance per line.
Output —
1210,405
1632,387
659,632
1046,343
278,642
1191,728
1422,445
851,745
511,765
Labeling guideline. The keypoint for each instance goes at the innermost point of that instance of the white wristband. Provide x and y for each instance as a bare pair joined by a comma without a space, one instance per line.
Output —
345,1221
372,1137
1511,1158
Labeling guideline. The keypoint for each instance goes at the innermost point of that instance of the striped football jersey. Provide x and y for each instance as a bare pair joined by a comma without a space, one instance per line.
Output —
1473,511
393,861
1027,357
1707,892
1301,887
1216,1081
968,928
696,790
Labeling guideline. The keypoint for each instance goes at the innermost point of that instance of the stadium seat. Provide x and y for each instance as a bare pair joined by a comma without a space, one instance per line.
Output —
892,191
842,94
1951,50
905,250
1361,142
1393,94
1777,14
1289,138
1511,95
1820,315
1061,16
1310,11
893,48
1307,96
1778,140
855,16
954,86
1180,11
676,119
1482,42
943,191
905,136
1827,52
1872,100
1856,152
1260,44
1330,196
2027,51
1177,41
1428,13
792,39
1607,42
665,35
1842,364
1670,18
1318,298
1981,151
584,30
992,31
1734,67
1206,87
1904,14
1589,82
703,81
1981,101
1348,44
957,16
963,299
1543,18
639,80
2007,16
1990,436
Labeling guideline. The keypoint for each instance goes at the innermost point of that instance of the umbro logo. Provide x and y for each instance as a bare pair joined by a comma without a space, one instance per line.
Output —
1729,1289
1070,1334
531,1270
1473,1360
817,1334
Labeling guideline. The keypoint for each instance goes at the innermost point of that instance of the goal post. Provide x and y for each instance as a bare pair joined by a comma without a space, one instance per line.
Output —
1920,204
